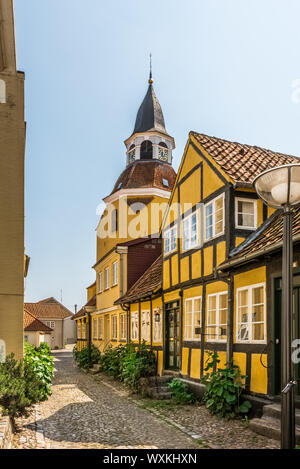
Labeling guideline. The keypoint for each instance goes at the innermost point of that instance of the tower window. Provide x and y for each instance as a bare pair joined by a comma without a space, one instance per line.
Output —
2,92
146,150
165,182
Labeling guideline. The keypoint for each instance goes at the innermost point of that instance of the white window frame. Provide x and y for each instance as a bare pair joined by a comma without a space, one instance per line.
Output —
169,235
115,273
100,328
157,340
145,332
114,327
187,220
134,321
100,277
106,279
217,325
249,323
78,330
213,203
83,330
243,199
123,327
193,339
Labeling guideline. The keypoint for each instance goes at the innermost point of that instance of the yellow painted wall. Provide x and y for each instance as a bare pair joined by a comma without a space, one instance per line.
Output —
184,269
174,267
196,265
208,260
240,359
238,241
221,252
195,363
259,375
185,360
166,274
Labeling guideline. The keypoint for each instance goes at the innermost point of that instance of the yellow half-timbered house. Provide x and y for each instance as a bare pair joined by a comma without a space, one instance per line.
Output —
213,279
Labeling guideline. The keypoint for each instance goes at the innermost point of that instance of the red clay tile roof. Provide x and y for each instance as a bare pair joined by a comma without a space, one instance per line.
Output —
143,174
267,236
148,283
48,308
81,313
32,324
242,163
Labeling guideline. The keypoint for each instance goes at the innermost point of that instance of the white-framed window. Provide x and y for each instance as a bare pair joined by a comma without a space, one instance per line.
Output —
50,324
100,282
115,273
193,318
251,314
2,92
100,328
123,327
157,326
214,218
107,278
170,241
190,231
115,327
217,311
134,326
246,213
145,326
95,335
78,330
83,331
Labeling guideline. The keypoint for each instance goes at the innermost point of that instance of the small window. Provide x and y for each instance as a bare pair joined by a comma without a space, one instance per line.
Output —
193,318
107,278
114,220
214,218
190,237
165,183
146,150
120,185
95,332
52,324
157,326
123,328
100,282
100,328
134,326
216,328
145,327
170,240
246,213
2,92
251,312
115,327
115,273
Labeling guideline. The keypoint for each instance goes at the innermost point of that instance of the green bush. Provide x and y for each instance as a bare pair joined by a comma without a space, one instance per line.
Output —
137,363
224,389
82,357
19,387
180,392
40,362
112,359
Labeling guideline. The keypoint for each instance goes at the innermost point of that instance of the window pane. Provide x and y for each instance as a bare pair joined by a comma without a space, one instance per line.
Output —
188,306
197,304
257,295
188,332
243,298
212,302
219,204
258,331
258,313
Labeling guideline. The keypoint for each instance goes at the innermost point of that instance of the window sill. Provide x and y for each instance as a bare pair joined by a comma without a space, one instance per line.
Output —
252,228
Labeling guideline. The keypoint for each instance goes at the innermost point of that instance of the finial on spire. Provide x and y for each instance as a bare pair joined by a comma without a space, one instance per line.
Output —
150,76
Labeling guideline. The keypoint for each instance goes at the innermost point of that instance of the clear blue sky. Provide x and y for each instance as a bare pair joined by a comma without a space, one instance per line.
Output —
221,67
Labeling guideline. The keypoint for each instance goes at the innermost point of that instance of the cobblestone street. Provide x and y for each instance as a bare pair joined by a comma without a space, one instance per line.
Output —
85,413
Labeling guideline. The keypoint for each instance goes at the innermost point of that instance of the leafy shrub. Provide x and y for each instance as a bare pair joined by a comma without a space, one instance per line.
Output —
82,357
112,360
19,387
40,362
137,363
180,392
224,389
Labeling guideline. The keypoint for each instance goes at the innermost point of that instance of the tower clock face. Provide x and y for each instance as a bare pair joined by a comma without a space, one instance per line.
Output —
163,154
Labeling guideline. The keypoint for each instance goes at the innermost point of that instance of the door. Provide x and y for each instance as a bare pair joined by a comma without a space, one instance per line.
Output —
277,332
172,360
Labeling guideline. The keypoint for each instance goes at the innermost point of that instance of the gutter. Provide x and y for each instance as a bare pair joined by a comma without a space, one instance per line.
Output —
253,255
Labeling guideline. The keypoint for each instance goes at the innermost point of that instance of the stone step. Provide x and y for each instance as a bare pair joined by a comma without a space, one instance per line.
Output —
172,373
270,427
155,394
160,380
274,411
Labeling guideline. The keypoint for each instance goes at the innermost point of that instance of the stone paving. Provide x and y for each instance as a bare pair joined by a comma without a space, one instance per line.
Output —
83,412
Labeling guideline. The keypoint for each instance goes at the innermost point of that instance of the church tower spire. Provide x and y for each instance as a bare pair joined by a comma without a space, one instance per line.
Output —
150,139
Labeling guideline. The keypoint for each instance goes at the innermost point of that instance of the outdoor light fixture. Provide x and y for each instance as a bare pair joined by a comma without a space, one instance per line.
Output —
279,187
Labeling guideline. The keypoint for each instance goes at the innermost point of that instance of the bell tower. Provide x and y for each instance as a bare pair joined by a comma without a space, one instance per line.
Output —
150,140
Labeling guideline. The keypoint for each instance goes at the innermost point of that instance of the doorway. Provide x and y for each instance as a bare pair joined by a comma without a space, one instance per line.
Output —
172,360
277,332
